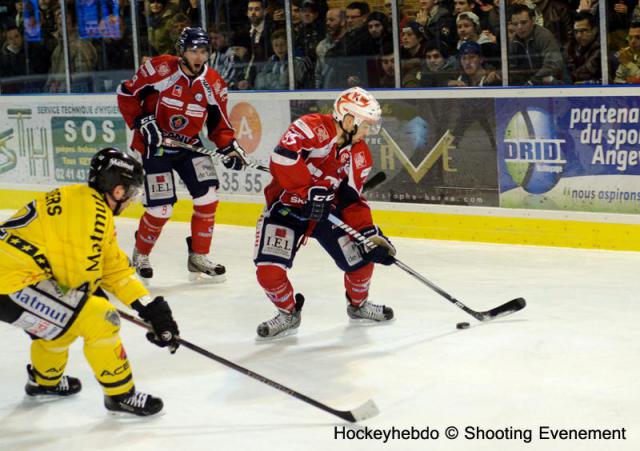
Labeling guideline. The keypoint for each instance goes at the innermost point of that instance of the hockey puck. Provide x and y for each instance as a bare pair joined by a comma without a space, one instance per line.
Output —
462,326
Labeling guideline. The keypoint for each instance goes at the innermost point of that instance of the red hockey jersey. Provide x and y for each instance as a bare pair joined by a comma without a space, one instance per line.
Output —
182,106
307,155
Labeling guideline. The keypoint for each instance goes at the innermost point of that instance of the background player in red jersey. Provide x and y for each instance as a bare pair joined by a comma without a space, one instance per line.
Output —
175,97
319,167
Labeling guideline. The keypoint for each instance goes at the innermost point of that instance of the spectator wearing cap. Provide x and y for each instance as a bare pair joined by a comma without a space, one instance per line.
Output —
583,50
472,70
437,67
438,22
237,69
311,32
412,53
468,29
159,27
534,54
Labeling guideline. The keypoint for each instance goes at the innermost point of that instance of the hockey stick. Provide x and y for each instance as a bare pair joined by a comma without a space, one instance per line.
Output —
212,153
374,181
362,412
502,310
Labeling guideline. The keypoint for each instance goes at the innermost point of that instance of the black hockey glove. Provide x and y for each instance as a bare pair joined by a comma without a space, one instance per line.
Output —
318,206
236,156
151,133
382,253
165,330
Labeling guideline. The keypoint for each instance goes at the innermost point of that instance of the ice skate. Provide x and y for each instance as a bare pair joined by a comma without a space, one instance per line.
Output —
142,265
134,402
201,268
369,312
67,386
283,324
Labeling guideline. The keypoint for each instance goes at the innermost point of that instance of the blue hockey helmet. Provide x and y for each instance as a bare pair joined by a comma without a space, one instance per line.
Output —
193,38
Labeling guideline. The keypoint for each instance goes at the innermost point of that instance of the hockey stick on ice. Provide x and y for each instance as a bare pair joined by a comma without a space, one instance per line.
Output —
505,309
212,153
362,412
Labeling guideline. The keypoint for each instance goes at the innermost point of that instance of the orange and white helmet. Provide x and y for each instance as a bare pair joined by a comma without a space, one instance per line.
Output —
361,105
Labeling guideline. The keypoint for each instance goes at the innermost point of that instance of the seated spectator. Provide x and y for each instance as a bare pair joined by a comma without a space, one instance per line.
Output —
357,35
274,74
463,6
331,61
259,31
237,67
402,14
13,59
468,29
178,22
219,35
437,21
346,61
473,73
412,53
387,77
438,67
159,27
311,32
619,19
82,56
534,54
629,58
554,15
191,8
380,34
583,50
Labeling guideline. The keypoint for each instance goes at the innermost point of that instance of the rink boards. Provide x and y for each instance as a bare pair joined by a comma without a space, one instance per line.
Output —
521,166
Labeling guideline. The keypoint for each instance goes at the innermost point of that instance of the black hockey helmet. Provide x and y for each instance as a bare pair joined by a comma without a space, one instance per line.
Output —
193,38
109,168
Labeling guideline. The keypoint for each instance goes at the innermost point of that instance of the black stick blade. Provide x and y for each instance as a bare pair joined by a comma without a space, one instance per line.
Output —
503,310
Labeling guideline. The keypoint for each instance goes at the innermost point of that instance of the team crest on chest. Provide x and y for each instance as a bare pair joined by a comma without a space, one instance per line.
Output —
163,69
322,133
177,90
178,122
198,97
359,160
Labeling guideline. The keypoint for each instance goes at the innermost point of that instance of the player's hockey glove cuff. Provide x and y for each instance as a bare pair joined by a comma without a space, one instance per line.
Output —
236,156
318,205
165,330
383,252
151,133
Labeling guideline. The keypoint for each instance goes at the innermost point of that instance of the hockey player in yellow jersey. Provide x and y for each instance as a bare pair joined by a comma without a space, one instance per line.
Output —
57,254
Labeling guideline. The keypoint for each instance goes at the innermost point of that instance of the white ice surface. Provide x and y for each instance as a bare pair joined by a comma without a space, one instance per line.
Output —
570,359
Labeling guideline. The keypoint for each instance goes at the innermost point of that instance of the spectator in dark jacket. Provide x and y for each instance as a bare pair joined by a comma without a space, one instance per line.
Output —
437,67
534,54
583,51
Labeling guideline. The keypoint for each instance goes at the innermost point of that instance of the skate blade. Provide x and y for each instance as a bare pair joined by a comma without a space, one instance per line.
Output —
369,322
205,278
44,398
280,336
132,417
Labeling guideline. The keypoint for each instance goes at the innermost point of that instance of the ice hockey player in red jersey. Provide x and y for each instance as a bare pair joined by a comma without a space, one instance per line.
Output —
175,97
319,167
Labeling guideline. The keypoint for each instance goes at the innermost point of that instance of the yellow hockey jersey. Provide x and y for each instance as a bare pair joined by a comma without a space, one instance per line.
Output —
67,234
